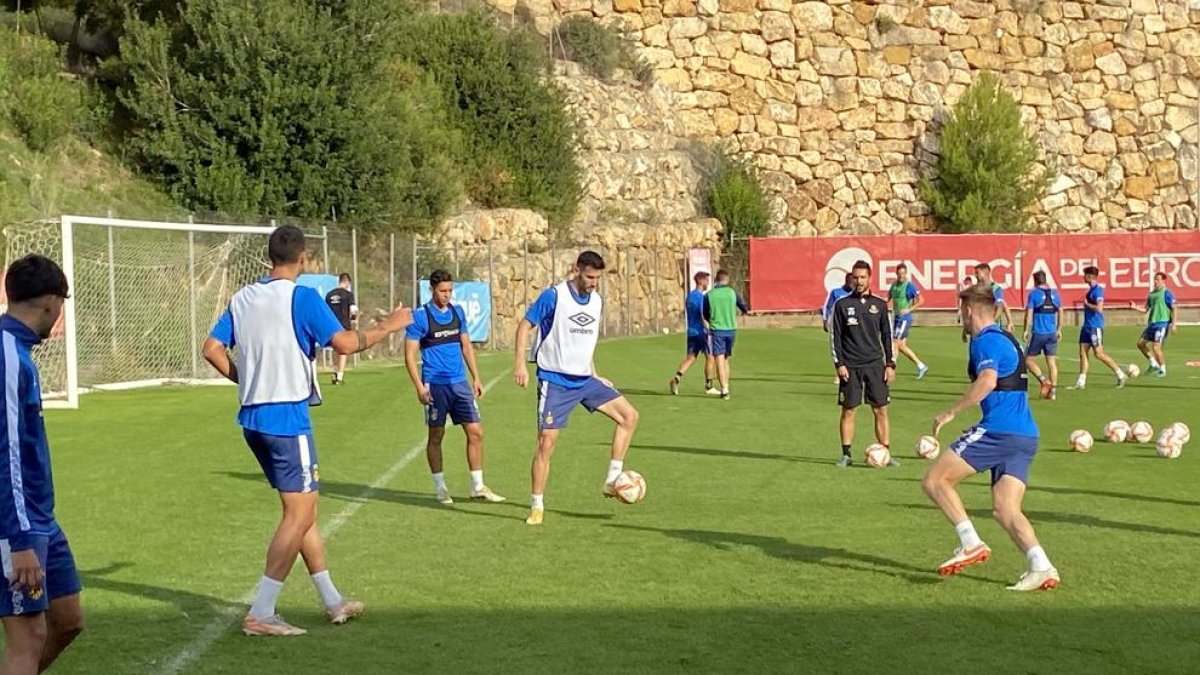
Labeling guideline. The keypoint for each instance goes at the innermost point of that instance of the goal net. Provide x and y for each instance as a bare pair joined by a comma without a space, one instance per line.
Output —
144,295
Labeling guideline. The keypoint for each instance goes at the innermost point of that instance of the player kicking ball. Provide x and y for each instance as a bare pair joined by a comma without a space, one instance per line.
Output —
567,319
438,335
1005,442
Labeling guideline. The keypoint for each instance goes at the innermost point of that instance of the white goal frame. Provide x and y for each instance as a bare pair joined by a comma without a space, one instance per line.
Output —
68,225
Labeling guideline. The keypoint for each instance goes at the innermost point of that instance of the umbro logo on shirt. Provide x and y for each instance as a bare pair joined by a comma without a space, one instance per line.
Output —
582,320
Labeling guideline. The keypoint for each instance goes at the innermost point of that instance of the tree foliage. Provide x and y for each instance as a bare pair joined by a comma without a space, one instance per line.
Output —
289,108
988,175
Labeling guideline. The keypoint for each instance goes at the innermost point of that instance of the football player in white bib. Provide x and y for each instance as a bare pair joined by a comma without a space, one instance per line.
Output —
565,323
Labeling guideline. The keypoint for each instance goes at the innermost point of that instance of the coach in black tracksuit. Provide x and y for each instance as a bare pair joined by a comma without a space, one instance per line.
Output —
861,339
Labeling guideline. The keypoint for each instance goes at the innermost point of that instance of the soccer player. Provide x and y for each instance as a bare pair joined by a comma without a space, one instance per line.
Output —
439,335
566,318
983,276
1091,336
1005,442
697,338
40,608
1043,331
1160,319
905,299
721,306
861,339
341,301
835,295
277,328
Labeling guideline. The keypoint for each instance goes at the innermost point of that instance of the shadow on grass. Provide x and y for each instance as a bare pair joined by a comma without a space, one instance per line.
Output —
1081,519
737,454
778,547
1057,490
356,492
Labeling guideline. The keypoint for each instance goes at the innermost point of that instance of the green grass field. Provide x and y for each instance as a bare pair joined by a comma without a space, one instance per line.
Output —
751,552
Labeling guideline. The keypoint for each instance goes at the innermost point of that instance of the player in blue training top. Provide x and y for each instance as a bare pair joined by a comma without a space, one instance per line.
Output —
698,338
1160,320
439,335
277,328
41,608
983,277
1043,332
1004,442
1091,335
834,295
566,319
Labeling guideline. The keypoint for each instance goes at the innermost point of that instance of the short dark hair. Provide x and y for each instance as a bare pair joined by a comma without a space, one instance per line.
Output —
983,267
1039,278
849,278
861,265
286,245
700,276
439,277
1091,271
34,276
722,276
344,277
1160,275
902,266
589,259
978,295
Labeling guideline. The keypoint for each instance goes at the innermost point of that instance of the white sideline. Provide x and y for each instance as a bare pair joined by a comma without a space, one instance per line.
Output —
197,647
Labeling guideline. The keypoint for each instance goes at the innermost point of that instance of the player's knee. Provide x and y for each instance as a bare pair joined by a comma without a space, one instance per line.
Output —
475,434
66,629
28,640
630,417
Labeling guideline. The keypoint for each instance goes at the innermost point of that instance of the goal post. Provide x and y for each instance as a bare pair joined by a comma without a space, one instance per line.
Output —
143,296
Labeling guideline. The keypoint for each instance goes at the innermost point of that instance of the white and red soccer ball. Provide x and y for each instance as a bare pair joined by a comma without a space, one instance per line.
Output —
1081,440
1116,431
629,487
1141,431
928,447
878,456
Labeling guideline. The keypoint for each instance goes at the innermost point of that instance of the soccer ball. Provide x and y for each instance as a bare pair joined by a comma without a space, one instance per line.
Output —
1116,431
1133,370
1182,432
1168,445
630,487
1081,440
878,456
1141,431
928,447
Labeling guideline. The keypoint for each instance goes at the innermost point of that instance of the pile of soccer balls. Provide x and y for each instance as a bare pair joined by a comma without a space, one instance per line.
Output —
1169,444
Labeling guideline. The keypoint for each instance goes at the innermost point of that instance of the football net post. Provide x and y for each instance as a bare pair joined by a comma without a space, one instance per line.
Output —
143,296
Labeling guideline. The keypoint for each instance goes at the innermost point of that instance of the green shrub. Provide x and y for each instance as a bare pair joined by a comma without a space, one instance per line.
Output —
42,110
987,176
591,45
733,194
519,140
287,108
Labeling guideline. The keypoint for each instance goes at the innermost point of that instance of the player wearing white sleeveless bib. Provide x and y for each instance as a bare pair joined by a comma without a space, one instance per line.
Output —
566,322
276,328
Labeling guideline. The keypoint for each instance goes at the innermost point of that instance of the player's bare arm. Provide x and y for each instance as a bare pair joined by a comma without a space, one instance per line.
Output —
520,372
217,355
411,350
349,342
979,389
468,350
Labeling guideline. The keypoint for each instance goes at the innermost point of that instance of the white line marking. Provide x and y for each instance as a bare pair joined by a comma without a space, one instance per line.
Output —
197,647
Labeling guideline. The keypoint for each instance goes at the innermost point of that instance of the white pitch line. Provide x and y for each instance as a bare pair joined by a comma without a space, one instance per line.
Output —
197,647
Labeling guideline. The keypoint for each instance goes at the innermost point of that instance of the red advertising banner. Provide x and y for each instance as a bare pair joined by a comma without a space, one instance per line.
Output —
797,274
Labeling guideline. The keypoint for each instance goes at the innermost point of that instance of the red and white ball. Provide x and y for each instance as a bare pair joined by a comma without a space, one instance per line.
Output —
1168,446
1116,431
928,447
1081,440
1182,432
878,456
630,487
1141,431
